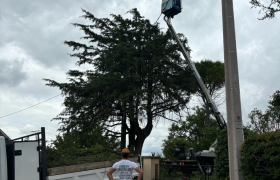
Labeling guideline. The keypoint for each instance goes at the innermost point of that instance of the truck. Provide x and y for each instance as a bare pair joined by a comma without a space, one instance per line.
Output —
24,158
204,160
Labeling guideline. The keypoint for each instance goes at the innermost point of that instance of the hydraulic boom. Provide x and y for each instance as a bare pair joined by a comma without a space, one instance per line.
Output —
192,67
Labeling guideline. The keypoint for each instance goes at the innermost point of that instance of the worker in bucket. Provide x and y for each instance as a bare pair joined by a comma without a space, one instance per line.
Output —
125,168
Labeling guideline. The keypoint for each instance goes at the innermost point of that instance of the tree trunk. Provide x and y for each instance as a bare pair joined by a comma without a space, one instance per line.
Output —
123,131
142,134
139,143
207,114
131,138
132,131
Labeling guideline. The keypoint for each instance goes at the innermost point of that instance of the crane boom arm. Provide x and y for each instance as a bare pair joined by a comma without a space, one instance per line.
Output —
192,67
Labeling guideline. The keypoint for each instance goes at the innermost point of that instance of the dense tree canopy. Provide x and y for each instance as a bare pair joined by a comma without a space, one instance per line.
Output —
270,7
213,76
137,76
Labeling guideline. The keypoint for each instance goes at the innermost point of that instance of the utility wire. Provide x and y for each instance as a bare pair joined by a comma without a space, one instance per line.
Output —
30,106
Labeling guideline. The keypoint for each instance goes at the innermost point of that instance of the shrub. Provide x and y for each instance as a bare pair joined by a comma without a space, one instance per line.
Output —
261,156
221,161
74,156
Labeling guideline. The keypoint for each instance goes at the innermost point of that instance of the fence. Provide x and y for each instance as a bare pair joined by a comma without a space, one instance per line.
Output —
183,172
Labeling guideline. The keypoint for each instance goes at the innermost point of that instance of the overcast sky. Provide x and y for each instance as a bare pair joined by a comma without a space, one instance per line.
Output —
31,48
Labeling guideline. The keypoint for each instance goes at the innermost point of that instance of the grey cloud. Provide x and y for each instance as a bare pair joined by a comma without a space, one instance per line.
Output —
11,73
27,129
40,27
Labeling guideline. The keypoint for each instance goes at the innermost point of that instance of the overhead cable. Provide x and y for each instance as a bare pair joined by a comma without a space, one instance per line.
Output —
30,106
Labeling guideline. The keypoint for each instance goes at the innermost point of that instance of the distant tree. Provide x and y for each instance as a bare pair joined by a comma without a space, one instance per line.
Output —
213,76
263,122
193,129
169,146
137,76
269,9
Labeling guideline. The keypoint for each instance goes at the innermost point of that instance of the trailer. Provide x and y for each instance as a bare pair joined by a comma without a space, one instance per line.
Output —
24,158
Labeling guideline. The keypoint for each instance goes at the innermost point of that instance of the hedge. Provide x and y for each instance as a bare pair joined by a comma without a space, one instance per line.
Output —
221,161
74,156
261,156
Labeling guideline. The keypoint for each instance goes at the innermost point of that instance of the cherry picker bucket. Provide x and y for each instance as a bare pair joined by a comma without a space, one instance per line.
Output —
170,8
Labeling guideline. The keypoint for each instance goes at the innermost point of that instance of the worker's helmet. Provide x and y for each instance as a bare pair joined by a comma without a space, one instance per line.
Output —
125,150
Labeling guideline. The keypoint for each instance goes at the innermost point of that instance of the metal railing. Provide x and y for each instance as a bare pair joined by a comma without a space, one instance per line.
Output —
183,172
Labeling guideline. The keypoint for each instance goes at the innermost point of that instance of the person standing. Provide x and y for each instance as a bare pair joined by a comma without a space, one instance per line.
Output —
125,168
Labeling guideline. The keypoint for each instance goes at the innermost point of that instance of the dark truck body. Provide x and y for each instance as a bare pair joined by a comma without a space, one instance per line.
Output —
202,161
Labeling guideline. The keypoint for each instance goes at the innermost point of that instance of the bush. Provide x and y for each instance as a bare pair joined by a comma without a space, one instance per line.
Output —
72,148
221,161
74,156
261,156
221,151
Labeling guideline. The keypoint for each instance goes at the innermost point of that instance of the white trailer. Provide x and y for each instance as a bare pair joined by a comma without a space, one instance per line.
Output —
24,158
3,160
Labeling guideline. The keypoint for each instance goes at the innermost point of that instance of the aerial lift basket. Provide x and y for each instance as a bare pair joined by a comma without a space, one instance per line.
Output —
171,7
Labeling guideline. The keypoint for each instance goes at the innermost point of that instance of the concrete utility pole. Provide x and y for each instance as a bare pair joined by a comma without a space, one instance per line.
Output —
234,117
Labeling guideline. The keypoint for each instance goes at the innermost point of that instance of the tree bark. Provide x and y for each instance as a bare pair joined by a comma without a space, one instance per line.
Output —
207,114
139,144
123,135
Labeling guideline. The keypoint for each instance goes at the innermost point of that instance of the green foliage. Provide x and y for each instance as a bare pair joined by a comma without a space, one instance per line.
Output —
275,99
221,161
136,78
200,129
72,148
169,146
274,108
260,150
195,131
74,155
221,150
247,130
269,120
269,9
261,156
80,139
213,76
